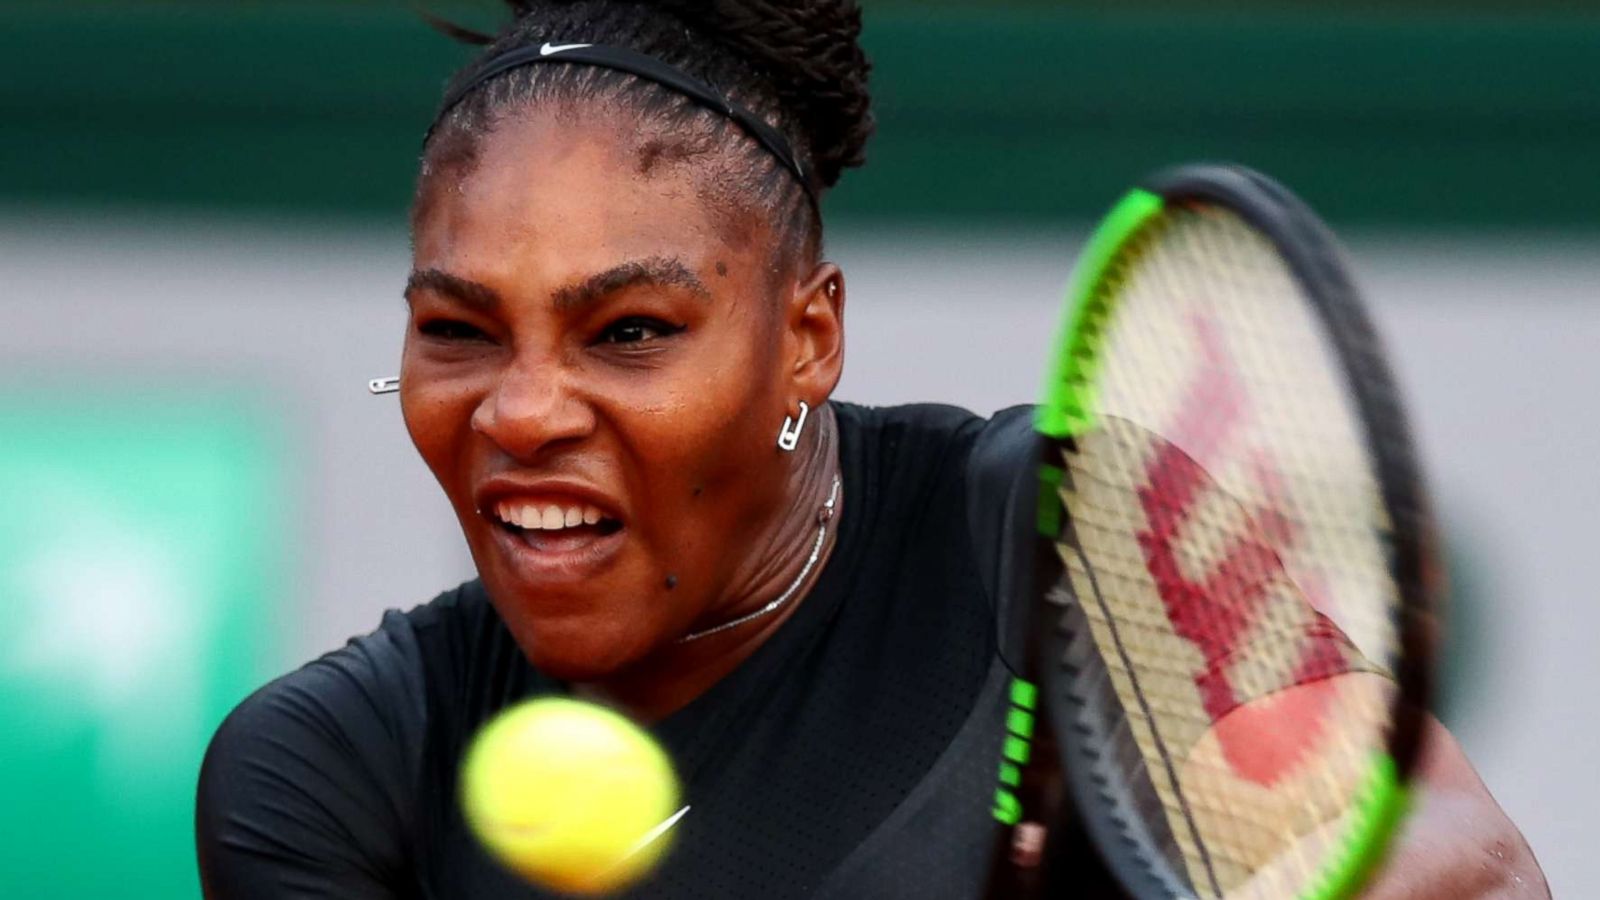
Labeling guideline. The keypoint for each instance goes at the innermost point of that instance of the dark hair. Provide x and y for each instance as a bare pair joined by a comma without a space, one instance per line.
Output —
797,64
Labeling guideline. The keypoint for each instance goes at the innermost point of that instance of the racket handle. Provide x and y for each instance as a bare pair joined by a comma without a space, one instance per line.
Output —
1046,853
1027,810
1034,862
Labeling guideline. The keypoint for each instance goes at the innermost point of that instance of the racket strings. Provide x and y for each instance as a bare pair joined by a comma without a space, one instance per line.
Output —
1228,552
1168,711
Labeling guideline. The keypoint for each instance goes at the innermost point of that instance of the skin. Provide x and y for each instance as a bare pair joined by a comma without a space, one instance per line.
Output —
1456,842
586,328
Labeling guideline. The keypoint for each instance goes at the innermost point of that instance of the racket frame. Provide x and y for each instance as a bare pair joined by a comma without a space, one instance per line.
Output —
1068,410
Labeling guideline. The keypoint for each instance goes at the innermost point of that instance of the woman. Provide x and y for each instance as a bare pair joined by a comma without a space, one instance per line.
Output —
622,343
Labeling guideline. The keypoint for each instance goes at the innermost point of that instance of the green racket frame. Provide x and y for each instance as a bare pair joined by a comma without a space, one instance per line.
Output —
1068,410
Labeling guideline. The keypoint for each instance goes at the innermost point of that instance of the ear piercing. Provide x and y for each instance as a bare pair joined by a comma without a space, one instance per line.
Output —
384,385
789,437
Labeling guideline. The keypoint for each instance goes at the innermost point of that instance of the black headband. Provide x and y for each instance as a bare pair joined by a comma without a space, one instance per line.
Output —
648,68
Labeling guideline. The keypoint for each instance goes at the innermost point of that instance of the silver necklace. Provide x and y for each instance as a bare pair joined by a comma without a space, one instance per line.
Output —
823,517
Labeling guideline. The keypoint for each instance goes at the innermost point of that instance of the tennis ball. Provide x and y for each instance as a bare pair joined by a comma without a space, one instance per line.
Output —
567,794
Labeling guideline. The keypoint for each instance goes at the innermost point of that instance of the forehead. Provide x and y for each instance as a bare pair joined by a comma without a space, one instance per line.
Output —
551,193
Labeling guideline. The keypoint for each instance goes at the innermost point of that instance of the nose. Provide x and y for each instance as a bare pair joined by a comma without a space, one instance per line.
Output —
534,405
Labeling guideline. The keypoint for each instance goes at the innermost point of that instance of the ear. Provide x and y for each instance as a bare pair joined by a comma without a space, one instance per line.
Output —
815,326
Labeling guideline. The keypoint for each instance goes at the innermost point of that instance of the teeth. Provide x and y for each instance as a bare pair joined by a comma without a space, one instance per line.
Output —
549,517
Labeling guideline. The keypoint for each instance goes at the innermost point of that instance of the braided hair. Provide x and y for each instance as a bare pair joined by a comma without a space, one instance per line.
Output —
797,64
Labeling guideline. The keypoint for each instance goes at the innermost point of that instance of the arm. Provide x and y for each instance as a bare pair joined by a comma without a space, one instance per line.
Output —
1458,842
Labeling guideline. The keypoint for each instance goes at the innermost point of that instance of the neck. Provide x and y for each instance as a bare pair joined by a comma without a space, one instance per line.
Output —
673,676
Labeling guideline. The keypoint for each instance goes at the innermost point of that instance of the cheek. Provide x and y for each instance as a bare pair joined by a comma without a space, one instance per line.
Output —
438,418
716,417
701,437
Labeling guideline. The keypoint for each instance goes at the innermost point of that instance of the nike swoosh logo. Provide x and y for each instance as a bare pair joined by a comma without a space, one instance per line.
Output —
550,49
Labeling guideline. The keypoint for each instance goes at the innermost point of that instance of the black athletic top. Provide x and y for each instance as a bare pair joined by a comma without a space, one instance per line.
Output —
853,755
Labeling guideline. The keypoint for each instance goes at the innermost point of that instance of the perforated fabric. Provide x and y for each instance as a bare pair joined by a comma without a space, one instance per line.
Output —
852,756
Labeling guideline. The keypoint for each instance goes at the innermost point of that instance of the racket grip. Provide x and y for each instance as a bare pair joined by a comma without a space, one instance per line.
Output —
1032,861
1042,851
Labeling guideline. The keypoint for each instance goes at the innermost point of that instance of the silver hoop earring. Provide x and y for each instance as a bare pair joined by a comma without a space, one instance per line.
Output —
789,437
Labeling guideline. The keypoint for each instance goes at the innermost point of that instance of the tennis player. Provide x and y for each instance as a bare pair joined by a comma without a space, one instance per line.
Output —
622,346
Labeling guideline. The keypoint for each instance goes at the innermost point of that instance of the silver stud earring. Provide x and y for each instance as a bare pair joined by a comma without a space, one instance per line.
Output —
833,290
383,385
789,437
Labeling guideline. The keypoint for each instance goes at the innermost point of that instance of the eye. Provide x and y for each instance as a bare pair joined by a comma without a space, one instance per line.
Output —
450,330
637,330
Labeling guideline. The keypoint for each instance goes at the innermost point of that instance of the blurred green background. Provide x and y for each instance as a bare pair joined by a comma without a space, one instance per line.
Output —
201,245
1384,112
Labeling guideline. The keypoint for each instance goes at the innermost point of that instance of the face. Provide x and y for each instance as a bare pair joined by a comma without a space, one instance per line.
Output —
596,368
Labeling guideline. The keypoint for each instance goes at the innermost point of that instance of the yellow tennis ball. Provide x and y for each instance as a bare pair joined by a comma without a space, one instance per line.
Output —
570,795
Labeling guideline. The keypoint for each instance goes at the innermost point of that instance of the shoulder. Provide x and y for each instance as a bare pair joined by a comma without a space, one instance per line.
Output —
931,432
371,693
921,422
928,421
958,474
332,748
927,448
983,459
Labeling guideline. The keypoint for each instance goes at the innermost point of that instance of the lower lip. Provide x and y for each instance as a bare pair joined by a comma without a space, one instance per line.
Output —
558,556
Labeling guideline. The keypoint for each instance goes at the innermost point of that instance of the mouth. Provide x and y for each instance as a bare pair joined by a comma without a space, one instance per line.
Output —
555,538
554,527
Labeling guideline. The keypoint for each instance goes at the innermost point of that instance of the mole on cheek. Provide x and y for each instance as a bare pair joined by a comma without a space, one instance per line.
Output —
722,269
672,582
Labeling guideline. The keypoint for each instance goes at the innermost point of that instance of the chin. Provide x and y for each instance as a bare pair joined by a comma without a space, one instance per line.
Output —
579,648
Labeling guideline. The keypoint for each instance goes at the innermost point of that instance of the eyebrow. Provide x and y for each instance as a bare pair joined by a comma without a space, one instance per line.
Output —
469,292
665,271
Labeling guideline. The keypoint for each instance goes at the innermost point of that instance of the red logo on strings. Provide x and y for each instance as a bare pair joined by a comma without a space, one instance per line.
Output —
1264,738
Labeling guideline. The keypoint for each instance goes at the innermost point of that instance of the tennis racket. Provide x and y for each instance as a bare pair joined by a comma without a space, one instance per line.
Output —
1224,659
